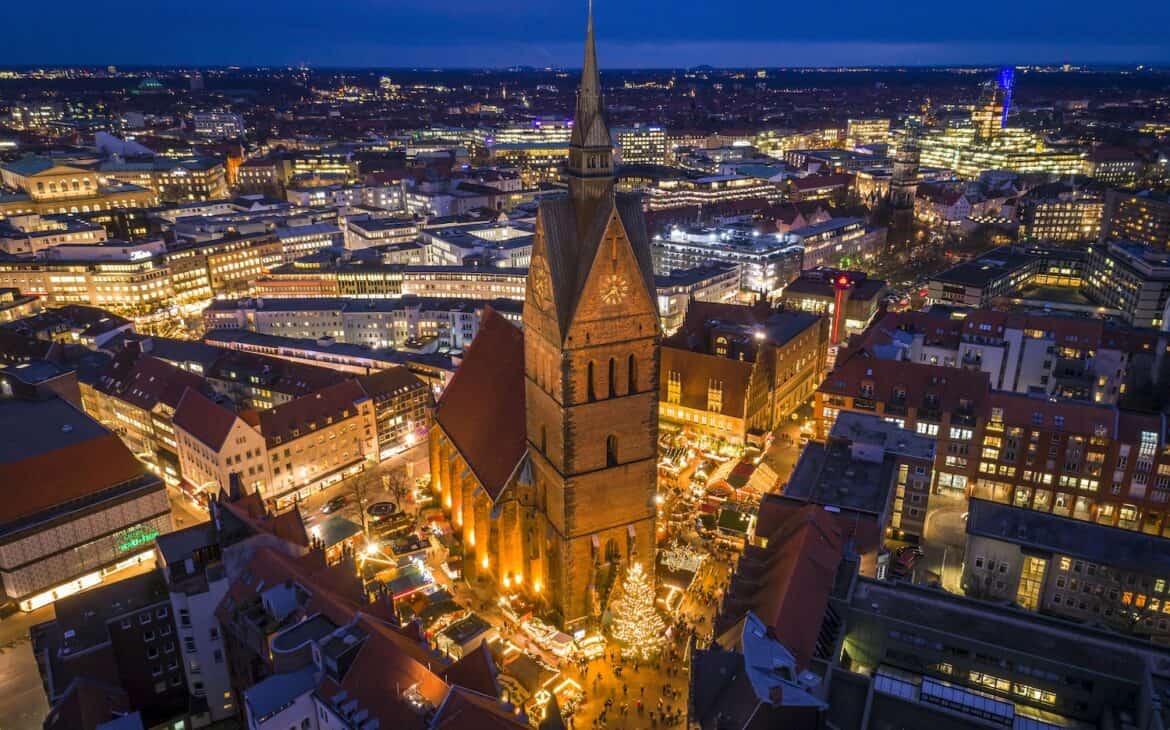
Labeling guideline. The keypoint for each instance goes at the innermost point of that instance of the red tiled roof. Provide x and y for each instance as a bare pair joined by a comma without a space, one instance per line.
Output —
475,670
204,419
1058,415
467,710
949,385
86,704
482,409
387,382
288,525
335,401
54,477
794,591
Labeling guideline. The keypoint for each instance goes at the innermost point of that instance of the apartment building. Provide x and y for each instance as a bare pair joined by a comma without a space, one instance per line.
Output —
1049,354
1074,459
216,444
123,636
402,408
136,396
318,439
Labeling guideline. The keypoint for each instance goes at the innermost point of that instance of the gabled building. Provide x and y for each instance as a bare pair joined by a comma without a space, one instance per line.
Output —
732,372
215,443
136,397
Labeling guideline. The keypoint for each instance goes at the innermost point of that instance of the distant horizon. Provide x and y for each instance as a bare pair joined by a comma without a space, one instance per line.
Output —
520,67
631,34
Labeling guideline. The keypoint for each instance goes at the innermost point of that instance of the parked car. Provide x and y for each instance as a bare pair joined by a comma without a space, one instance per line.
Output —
905,558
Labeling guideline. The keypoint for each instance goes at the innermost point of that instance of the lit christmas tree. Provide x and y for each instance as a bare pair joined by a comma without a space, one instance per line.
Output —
636,623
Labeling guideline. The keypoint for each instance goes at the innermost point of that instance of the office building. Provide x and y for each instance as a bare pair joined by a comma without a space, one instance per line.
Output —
734,372
850,299
872,468
1070,458
1003,271
424,323
1060,212
766,262
1065,567
1140,217
1132,279
715,282
171,180
640,145
218,125
368,231
24,235
860,132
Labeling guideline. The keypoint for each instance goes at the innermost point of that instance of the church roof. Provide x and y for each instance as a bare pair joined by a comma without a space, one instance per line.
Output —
570,259
482,408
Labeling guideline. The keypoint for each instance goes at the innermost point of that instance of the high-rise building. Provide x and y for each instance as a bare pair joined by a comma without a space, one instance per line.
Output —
565,416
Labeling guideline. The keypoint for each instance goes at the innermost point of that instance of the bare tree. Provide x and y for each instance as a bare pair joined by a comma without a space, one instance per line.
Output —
397,484
362,488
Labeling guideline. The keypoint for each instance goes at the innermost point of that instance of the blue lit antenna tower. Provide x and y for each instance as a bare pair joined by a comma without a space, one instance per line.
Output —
1007,79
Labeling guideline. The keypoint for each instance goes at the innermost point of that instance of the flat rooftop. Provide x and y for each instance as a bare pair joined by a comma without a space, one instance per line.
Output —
827,474
1042,531
1012,630
31,428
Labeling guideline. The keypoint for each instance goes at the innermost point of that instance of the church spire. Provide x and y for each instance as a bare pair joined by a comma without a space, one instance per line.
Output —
590,165
589,106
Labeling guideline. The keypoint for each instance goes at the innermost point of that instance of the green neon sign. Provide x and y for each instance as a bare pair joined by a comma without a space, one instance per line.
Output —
136,536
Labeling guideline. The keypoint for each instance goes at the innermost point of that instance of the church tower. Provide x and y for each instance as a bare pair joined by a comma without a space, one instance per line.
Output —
591,373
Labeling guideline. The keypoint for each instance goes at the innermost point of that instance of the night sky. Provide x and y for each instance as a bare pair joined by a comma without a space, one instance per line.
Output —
631,33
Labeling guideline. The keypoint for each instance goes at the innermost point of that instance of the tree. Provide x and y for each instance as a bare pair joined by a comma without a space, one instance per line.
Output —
397,484
361,488
636,622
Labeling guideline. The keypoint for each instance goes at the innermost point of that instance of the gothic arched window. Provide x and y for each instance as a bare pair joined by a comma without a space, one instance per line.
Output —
592,394
612,378
611,450
632,375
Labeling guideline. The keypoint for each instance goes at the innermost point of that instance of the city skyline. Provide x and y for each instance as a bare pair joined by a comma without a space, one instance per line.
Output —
461,34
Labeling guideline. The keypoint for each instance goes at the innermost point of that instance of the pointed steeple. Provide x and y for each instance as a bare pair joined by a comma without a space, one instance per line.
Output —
589,127
590,165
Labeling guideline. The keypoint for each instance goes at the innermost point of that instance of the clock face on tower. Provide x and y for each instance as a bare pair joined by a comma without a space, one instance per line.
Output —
541,287
613,289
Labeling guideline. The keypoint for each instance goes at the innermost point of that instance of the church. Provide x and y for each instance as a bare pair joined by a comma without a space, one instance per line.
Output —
544,449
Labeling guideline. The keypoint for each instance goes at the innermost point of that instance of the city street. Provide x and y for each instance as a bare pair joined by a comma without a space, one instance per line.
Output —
944,541
23,705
